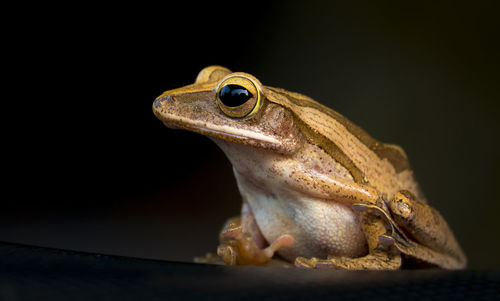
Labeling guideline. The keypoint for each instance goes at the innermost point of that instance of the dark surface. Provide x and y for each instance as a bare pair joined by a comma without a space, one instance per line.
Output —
87,166
33,273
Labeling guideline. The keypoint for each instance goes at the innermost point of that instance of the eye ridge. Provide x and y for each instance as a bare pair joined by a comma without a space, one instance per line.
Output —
233,95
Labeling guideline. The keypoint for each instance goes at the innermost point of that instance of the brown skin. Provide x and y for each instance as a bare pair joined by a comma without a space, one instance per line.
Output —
317,190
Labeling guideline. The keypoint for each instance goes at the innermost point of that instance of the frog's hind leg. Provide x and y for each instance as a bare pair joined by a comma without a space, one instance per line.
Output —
429,229
426,236
382,255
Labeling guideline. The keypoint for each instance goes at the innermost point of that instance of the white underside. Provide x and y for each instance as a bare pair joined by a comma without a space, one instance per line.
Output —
321,228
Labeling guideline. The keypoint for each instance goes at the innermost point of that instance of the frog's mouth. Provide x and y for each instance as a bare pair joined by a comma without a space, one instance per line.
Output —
184,114
217,131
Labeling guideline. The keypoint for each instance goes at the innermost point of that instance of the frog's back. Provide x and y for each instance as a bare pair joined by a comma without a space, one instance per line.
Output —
384,166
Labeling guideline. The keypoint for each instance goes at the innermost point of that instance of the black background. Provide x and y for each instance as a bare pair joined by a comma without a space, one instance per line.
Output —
86,165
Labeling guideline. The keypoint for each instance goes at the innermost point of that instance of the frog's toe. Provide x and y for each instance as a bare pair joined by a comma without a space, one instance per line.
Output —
317,263
227,253
362,207
305,263
385,242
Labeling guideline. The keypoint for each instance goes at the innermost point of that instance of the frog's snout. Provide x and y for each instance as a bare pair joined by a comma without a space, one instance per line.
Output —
160,100
161,106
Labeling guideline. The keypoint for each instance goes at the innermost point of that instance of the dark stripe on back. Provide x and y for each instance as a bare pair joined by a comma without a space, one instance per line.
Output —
393,155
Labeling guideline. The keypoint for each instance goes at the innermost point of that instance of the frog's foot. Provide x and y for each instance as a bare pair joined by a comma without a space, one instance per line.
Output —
374,261
239,248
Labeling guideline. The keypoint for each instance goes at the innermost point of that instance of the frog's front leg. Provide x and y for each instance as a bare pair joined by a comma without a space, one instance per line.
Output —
242,242
381,256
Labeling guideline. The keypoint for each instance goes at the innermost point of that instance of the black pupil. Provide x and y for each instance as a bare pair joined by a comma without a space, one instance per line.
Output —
234,95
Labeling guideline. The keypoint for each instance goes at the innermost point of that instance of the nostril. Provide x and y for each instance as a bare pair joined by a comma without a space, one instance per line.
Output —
159,101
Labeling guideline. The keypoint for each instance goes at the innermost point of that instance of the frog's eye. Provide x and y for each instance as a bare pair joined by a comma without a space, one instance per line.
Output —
238,97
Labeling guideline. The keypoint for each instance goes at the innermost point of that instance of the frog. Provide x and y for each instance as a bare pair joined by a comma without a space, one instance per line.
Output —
317,191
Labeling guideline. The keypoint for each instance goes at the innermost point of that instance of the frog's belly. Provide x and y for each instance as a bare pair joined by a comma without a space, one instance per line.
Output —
321,228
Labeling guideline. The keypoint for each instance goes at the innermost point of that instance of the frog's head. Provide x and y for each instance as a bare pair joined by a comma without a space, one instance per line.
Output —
234,107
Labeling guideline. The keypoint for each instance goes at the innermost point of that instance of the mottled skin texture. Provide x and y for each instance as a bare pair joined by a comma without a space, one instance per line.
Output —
317,191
